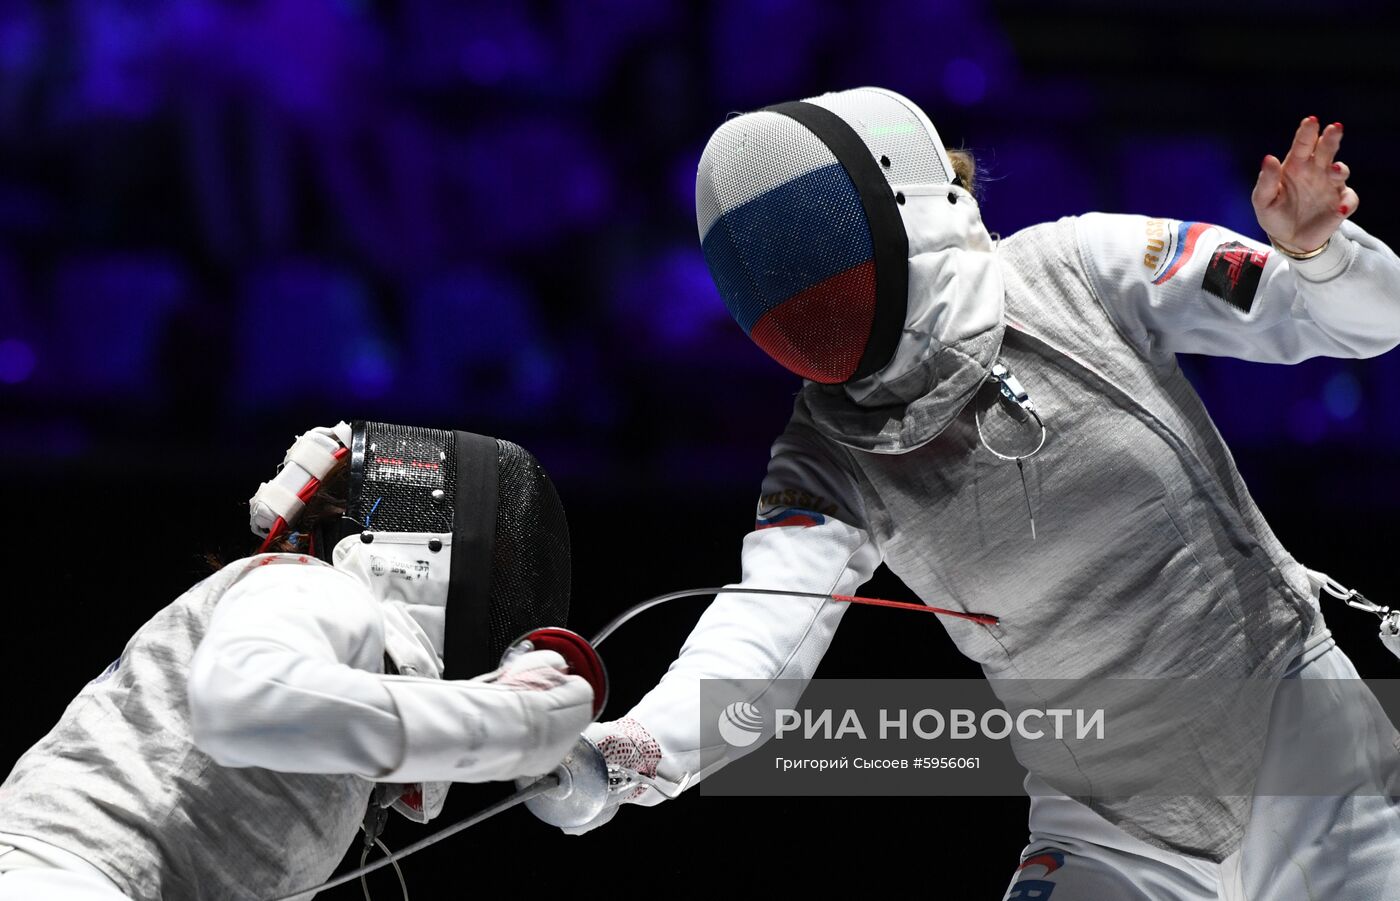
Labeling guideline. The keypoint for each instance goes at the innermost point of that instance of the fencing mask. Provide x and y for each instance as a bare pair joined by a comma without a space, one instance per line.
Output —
466,532
812,217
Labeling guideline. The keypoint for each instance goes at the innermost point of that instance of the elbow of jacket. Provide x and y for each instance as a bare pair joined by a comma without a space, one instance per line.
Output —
1378,348
1366,348
213,727
1357,337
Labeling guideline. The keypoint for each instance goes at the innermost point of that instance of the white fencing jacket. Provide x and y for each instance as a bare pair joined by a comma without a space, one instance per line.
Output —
1152,560
290,677
228,753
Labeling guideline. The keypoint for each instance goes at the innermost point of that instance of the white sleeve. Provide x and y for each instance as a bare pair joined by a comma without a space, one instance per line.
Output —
288,678
1191,287
810,535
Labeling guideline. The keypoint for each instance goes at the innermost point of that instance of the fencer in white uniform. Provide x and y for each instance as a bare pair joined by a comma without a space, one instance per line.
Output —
233,750
1110,533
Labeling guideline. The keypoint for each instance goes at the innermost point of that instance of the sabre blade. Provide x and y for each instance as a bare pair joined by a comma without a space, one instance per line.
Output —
985,619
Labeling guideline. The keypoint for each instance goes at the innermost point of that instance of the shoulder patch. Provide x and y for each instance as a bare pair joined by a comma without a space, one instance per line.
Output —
1234,272
1171,244
792,507
789,516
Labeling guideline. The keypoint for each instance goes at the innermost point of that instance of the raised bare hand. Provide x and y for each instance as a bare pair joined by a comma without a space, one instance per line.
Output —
1302,200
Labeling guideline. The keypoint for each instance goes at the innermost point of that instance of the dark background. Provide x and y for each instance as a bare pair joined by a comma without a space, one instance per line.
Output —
224,222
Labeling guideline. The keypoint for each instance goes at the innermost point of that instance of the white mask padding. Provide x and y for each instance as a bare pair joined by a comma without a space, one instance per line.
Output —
401,570
410,580
955,284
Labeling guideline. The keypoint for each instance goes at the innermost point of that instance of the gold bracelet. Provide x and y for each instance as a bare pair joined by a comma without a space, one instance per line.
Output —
1301,256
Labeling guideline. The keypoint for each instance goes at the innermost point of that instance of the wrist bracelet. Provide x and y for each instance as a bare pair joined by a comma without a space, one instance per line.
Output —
1301,256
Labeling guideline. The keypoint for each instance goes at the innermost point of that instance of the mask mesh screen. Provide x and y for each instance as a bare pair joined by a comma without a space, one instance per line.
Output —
403,467
530,559
786,240
531,573
751,155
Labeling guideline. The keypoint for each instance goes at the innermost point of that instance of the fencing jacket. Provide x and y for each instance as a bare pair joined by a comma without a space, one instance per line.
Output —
229,753
1151,557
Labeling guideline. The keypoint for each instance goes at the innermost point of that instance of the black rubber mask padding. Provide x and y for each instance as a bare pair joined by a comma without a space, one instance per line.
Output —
466,644
886,228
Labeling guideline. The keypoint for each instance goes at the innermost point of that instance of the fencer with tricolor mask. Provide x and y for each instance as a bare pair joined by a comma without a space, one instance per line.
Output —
1003,424
858,271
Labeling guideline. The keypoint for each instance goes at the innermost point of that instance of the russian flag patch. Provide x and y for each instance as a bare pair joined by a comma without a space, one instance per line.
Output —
789,516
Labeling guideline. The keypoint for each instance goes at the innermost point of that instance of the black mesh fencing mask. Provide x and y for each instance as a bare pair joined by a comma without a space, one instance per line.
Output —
483,506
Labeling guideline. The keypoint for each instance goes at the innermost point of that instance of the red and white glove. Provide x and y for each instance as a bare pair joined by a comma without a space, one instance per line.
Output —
627,747
532,671
556,704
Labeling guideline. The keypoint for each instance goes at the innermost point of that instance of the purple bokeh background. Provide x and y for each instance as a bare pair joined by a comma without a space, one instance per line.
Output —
276,214
224,222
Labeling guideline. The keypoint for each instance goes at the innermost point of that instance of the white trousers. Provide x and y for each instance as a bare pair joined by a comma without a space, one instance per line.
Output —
25,877
1295,848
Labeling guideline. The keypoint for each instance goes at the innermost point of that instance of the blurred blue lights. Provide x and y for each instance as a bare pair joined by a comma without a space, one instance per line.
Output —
1307,421
525,181
670,304
1185,177
483,214
17,361
503,47
1342,396
111,312
20,39
369,369
1328,413
964,81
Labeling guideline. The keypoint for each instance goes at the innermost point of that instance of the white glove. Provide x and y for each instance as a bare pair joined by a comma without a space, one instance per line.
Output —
626,745
556,705
532,671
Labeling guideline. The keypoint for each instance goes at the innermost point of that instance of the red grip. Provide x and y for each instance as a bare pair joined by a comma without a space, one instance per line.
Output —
580,656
